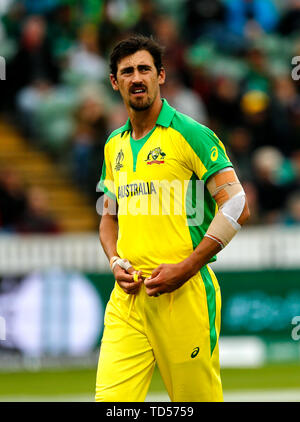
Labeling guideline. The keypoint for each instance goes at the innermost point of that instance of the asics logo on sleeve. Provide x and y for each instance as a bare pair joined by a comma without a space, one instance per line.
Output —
195,352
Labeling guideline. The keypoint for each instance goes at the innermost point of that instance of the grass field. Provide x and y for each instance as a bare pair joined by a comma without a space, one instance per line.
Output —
269,383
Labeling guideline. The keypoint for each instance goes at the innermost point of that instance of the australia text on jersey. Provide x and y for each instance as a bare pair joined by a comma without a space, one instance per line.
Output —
160,197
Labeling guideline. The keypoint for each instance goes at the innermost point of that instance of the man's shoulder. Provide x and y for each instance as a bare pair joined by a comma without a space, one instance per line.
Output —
189,128
117,132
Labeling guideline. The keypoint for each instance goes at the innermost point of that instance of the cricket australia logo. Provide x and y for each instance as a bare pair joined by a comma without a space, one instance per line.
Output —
156,156
119,159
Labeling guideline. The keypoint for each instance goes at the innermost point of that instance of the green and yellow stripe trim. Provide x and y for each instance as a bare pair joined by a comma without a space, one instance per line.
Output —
211,305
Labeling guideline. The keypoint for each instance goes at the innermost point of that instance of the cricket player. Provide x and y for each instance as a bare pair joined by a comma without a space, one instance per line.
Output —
172,202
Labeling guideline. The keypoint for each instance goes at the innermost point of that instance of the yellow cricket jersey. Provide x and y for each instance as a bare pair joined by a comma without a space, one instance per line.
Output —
164,207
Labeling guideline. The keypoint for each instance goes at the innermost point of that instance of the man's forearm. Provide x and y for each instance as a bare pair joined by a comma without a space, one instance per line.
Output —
206,249
124,276
108,233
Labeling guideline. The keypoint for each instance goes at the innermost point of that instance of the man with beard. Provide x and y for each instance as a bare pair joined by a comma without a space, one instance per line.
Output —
165,306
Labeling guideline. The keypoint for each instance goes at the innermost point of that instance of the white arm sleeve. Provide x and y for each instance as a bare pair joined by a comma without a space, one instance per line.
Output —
233,208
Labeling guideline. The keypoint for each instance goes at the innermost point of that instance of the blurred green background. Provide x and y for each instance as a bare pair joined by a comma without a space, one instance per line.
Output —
229,66
270,383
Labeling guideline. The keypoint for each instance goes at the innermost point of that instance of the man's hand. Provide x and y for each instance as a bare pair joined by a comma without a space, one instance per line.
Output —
126,281
166,278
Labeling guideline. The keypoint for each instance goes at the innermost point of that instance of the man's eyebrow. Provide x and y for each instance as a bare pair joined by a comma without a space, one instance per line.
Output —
130,68
144,66
126,69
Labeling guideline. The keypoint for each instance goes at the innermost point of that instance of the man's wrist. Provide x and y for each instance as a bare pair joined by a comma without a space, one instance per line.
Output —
206,249
112,260
191,265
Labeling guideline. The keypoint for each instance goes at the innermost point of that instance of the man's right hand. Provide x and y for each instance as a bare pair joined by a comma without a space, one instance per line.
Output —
125,279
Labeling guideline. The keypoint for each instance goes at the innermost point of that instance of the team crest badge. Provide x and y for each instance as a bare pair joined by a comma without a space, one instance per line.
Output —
156,156
119,159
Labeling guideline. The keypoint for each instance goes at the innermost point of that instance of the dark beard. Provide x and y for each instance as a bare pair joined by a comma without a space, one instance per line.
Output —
141,107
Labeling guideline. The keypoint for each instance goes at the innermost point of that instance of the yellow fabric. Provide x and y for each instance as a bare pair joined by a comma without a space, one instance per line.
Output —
166,330
143,255
152,222
178,331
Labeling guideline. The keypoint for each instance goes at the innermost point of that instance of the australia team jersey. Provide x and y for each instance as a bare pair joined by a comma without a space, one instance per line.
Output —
164,207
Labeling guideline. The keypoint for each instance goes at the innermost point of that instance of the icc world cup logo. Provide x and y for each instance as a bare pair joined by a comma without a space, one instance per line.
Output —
119,159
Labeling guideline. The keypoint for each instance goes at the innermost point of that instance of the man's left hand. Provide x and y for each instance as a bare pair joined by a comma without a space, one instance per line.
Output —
166,278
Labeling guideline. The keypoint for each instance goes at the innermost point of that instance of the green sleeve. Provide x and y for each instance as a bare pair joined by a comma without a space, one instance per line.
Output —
106,185
211,151
204,144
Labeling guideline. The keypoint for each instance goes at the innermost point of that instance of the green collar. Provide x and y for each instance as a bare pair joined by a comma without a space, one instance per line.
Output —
164,119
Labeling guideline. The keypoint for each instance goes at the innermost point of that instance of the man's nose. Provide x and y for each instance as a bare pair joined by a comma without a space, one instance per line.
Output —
136,77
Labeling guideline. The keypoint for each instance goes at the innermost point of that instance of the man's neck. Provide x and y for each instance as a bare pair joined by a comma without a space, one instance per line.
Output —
143,121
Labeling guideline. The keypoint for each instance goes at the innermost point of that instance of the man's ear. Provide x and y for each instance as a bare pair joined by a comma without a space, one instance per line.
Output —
114,82
162,76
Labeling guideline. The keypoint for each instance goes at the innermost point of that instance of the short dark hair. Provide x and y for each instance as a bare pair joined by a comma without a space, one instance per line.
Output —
133,44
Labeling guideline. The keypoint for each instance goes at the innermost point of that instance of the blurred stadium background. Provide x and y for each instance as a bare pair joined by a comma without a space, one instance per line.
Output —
229,66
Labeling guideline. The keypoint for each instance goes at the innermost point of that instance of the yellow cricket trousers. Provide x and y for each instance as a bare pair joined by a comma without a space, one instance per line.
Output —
179,331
